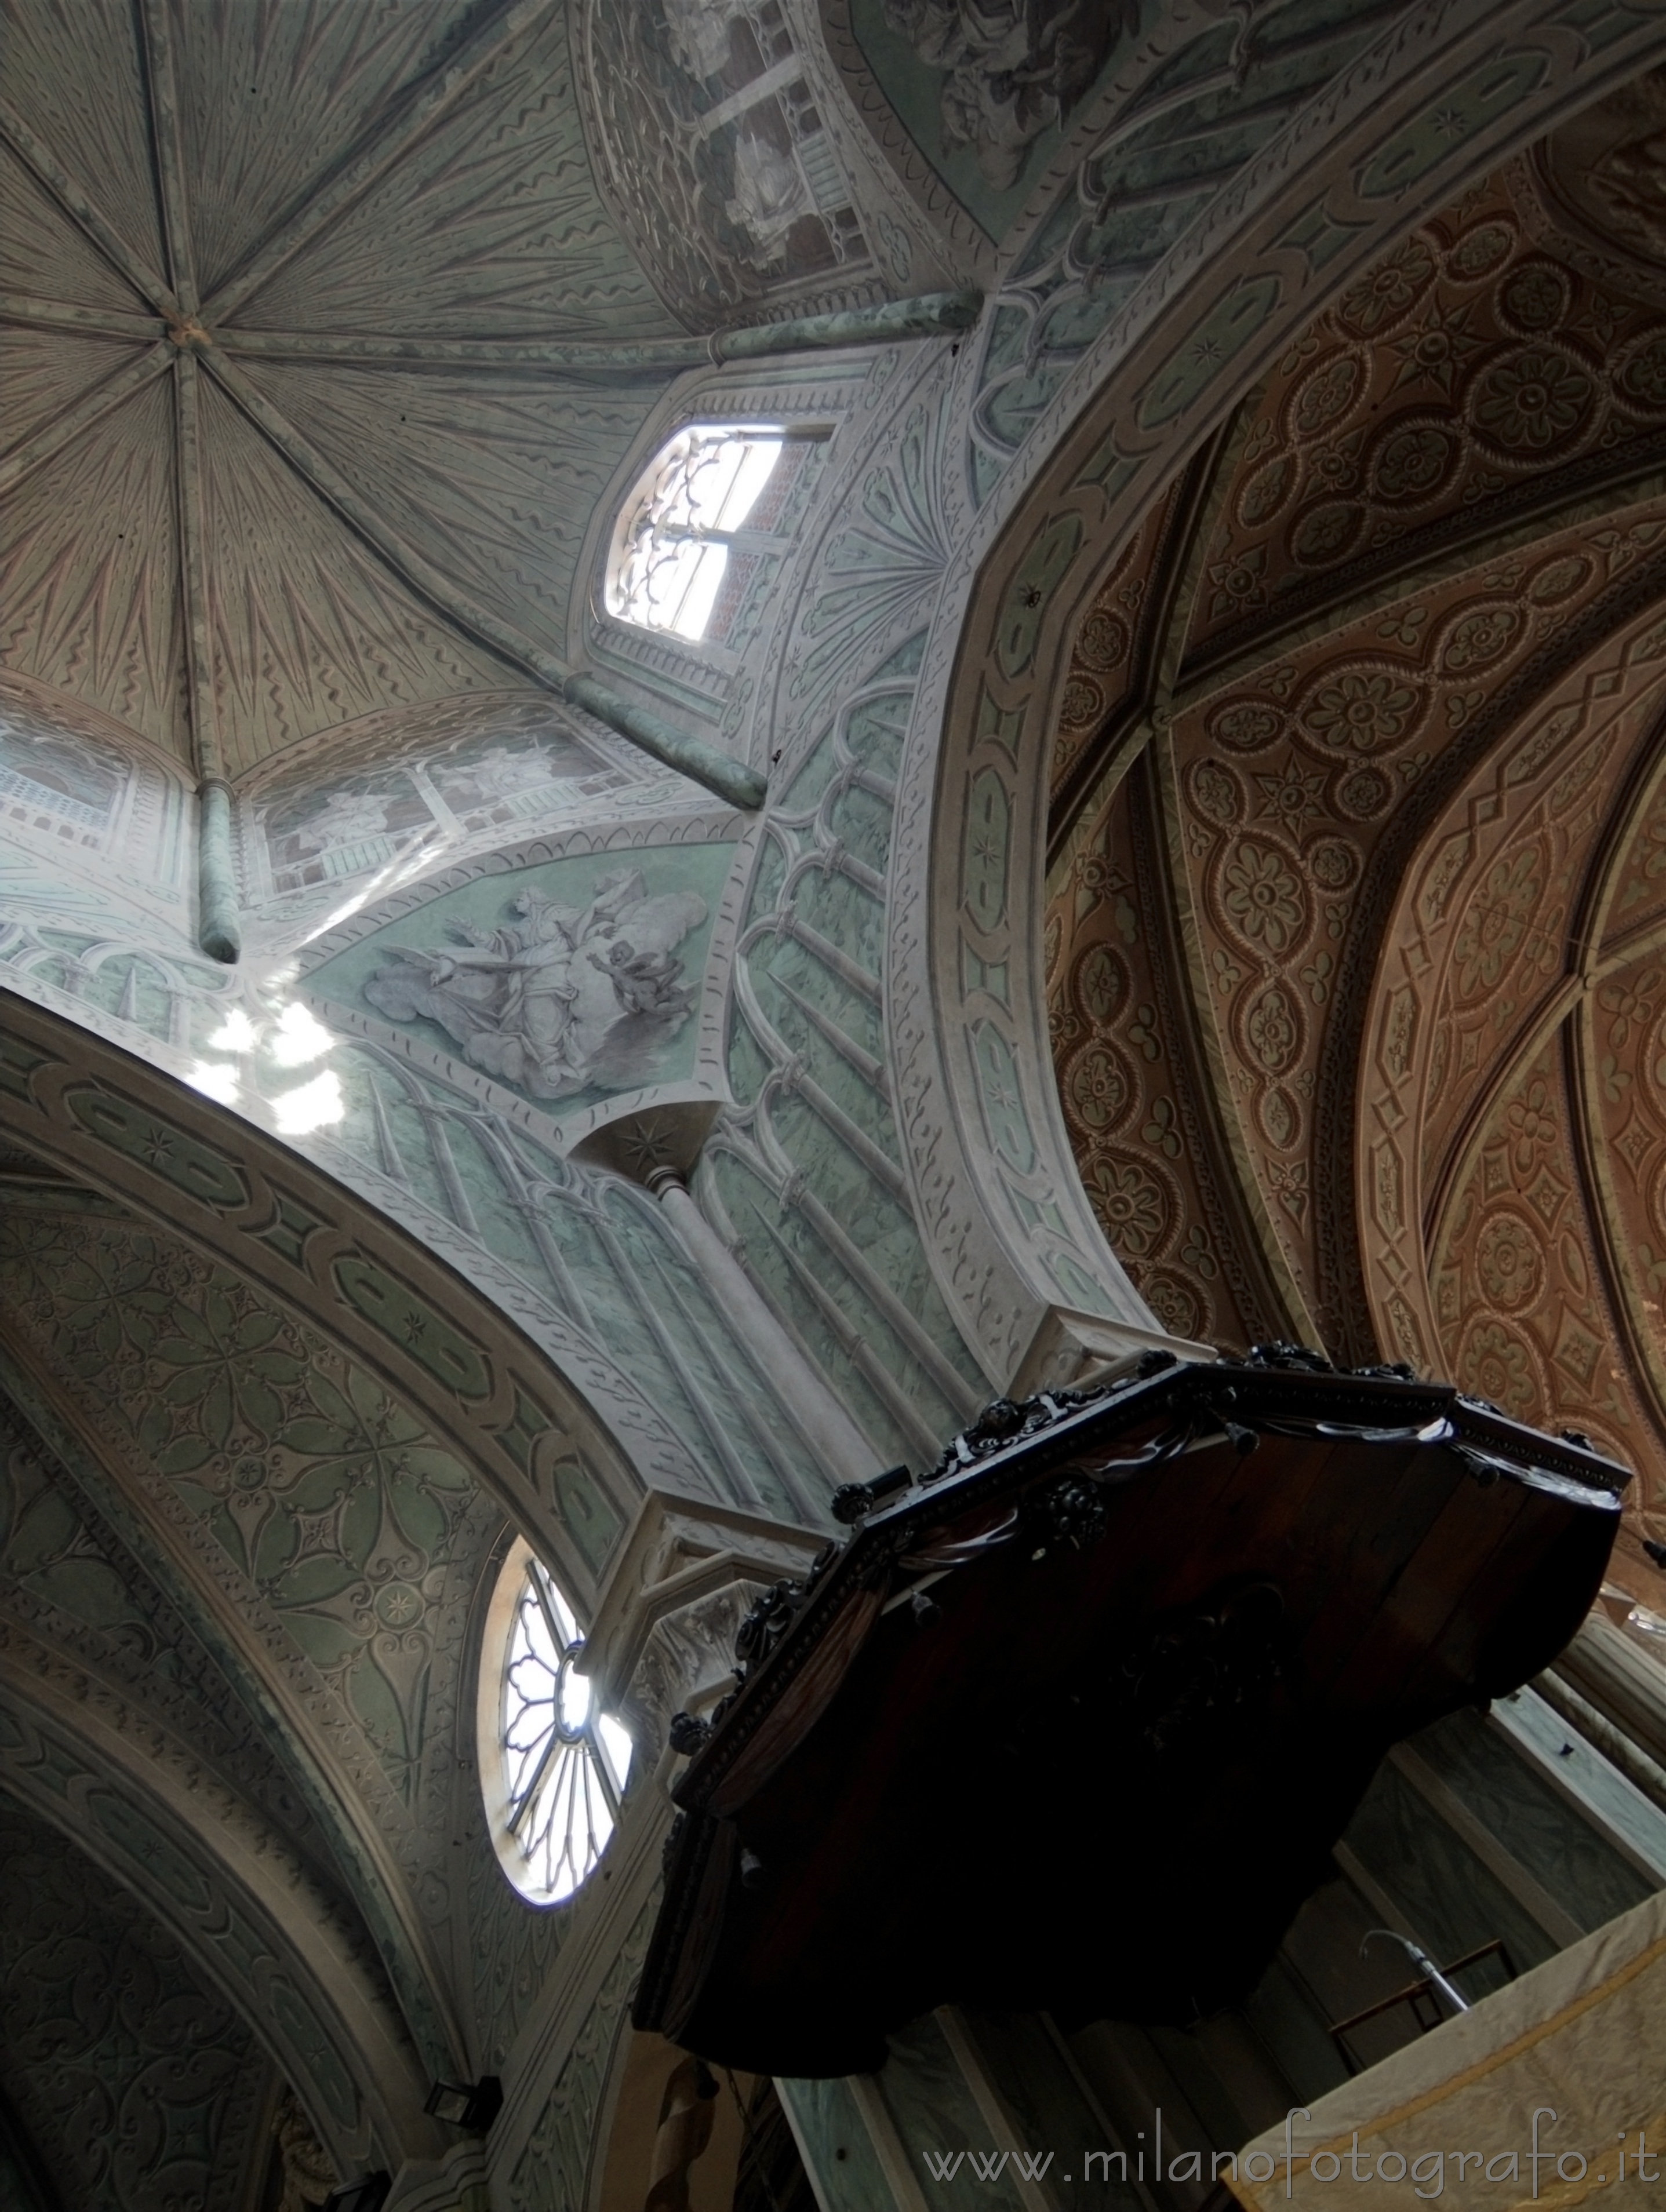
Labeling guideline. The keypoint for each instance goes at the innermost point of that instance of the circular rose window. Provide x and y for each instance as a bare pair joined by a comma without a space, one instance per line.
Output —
552,1766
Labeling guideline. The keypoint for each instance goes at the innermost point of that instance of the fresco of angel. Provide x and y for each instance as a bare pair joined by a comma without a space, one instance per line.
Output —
559,999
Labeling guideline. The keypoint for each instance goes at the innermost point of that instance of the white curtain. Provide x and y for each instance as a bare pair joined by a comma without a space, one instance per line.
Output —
1581,2041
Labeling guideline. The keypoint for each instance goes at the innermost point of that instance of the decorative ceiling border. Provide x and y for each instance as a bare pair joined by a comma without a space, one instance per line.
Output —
84,1759
1161,377
242,1197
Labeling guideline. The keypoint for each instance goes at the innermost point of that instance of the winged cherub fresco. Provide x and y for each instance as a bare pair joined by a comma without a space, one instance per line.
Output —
560,999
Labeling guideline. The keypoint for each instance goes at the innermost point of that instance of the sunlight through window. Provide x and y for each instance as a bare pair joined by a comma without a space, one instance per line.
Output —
237,1033
312,1106
216,1079
299,1036
672,545
559,1763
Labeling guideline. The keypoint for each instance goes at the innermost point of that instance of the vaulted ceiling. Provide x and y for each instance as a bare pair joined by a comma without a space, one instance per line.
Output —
233,1693
320,347
263,267
130,2079
1357,930
299,417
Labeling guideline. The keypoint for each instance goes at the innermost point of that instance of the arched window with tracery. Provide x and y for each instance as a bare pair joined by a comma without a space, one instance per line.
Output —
702,516
553,1766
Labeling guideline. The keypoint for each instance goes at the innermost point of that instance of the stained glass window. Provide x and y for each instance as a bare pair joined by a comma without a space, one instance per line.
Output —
559,1763
674,540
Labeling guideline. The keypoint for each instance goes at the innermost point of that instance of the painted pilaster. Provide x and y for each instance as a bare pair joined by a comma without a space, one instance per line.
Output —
659,1150
455,2183
826,1426
662,1640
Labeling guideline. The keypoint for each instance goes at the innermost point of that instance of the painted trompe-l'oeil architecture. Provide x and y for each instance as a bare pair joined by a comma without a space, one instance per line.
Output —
1155,840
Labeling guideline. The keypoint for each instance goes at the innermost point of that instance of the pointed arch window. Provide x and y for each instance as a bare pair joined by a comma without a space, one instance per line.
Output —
554,1766
694,525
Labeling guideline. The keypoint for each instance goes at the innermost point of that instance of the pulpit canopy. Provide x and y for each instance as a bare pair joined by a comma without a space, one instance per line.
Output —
1074,1722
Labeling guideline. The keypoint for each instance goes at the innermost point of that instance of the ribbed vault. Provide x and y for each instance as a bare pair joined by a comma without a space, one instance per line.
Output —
245,1539
1354,940
263,266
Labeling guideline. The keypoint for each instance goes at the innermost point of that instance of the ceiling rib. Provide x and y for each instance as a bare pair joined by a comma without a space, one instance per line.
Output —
1136,730
178,303
390,140
218,930
1554,498
1623,948
1539,1028
730,779
19,307
1633,1313
932,314
162,98
379,352
205,727
1599,939
1111,751
1244,1189
16,134
63,429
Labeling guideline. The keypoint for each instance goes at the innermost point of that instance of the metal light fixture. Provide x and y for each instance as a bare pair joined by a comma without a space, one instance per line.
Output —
463,2105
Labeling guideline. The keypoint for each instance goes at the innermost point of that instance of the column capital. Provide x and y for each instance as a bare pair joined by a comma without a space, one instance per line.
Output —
663,1635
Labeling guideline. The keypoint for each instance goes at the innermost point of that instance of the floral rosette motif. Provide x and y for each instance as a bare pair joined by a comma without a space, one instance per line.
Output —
1537,401
1263,898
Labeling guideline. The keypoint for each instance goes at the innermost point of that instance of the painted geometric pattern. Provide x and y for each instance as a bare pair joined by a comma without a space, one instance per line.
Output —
1456,374
142,2088
66,1577
1624,1056
1106,653
1224,88
806,1170
1414,836
1289,781
329,1506
1511,1123
1128,1085
1524,1313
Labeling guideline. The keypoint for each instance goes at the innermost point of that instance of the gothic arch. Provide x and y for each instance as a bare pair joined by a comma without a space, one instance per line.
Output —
1351,941
241,1197
98,1770
1011,1232
106,1154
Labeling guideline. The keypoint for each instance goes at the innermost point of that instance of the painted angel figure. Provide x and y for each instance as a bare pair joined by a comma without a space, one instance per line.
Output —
557,998
644,983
